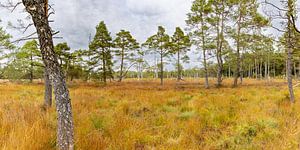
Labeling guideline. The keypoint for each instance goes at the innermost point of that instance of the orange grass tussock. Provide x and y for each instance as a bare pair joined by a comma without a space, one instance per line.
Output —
144,115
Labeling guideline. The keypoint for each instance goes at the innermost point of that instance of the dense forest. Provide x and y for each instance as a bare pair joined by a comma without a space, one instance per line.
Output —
233,42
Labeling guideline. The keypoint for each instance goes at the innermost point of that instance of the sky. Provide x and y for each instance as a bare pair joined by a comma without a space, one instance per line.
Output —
76,19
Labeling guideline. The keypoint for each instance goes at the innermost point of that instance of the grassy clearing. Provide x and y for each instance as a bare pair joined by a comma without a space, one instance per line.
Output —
143,115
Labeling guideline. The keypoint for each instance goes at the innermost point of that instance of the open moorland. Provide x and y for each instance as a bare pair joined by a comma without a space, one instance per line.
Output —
143,115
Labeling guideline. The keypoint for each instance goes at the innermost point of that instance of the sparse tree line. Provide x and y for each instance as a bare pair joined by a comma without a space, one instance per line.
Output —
228,35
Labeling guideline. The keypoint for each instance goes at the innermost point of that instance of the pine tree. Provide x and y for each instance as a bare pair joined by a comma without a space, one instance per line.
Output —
219,21
5,42
62,50
245,14
199,29
126,49
100,51
31,56
160,43
38,10
180,45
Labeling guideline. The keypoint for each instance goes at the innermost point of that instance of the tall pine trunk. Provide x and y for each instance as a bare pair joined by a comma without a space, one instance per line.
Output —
289,63
161,68
178,67
48,90
204,53
219,51
31,68
104,66
65,134
238,62
122,65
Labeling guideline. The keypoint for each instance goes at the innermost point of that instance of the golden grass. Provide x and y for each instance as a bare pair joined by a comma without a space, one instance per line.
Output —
143,115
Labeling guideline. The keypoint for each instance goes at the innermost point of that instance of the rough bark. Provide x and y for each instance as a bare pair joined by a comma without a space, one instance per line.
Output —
289,63
48,90
38,12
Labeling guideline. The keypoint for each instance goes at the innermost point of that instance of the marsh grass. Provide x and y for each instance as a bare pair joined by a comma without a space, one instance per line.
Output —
144,115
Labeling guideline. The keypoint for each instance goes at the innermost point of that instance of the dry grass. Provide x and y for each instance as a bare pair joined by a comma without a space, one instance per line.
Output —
143,115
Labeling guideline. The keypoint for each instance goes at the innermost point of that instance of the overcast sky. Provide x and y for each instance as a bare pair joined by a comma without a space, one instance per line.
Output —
77,19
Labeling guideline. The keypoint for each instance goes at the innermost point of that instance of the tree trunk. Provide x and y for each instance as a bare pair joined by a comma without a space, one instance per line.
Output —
241,70
48,90
249,71
178,67
238,62
104,65
67,69
289,63
295,70
31,68
204,54
161,68
156,68
38,12
219,49
122,65
260,70
229,72
255,64
266,70
268,74
299,69
274,70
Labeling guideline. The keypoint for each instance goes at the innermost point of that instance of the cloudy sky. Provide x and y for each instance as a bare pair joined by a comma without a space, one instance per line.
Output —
77,19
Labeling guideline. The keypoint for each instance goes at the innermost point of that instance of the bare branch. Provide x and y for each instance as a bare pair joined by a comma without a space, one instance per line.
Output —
280,30
29,25
10,5
31,38
280,9
54,33
24,39
294,23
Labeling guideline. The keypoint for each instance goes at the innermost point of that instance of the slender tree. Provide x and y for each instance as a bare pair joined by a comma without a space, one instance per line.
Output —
160,43
126,49
219,21
180,45
31,55
289,9
245,14
63,52
100,51
199,29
